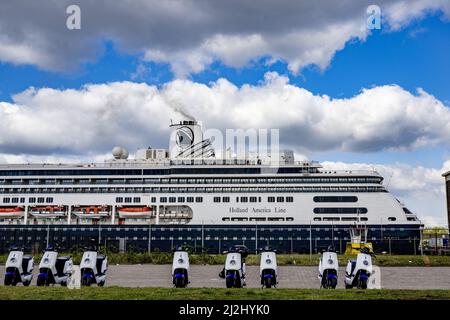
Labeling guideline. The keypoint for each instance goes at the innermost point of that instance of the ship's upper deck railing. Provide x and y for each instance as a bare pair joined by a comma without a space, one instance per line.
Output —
133,163
306,167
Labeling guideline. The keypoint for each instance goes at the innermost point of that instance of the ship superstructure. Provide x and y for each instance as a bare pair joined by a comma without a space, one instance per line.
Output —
188,185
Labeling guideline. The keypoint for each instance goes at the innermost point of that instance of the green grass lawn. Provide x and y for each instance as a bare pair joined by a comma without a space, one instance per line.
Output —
118,293
283,259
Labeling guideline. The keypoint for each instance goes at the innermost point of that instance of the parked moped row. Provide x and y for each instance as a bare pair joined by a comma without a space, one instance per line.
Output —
53,268
234,271
357,272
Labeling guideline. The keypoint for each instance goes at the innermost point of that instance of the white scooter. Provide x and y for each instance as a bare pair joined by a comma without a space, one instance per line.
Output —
268,268
180,269
93,268
234,270
328,269
54,269
19,267
358,271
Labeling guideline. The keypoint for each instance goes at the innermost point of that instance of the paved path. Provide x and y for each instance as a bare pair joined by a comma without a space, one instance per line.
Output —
289,277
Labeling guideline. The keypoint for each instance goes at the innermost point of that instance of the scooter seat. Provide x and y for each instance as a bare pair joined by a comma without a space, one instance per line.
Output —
25,261
99,264
353,266
63,258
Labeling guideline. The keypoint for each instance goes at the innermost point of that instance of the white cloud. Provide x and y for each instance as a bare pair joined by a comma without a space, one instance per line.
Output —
190,35
97,117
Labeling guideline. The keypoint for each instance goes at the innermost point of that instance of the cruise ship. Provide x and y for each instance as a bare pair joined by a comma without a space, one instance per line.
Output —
162,197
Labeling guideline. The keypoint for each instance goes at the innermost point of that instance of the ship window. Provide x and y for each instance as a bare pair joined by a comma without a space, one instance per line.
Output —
49,200
239,219
270,199
216,199
341,210
349,219
289,199
15,200
181,199
172,199
6,200
163,199
127,199
392,218
275,219
119,200
198,199
237,199
331,219
22,200
253,199
225,219
258,219
259,199
32,200
289,219
244,199
406,210
364,219
190,199
280,199
153,199
335,199
411,219
40,200
137,200
225,199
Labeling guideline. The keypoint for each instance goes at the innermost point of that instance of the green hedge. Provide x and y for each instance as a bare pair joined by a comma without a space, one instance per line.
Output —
283,259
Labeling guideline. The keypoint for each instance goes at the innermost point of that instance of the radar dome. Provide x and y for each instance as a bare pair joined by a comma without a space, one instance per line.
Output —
125,154
117,152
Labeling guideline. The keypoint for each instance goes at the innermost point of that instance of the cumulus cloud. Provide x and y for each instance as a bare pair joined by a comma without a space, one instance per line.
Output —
420,188
190,35
99,116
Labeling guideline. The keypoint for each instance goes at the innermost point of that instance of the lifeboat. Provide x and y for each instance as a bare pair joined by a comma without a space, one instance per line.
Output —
45,212
92,212
12,212
141,212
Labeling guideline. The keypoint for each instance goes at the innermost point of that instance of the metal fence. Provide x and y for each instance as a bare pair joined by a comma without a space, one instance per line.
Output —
208,239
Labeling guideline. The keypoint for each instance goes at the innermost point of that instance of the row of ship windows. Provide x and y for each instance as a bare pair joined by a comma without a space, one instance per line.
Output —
356,219
200,199
157,172
192,181
30,200
191,199
257,219
188,190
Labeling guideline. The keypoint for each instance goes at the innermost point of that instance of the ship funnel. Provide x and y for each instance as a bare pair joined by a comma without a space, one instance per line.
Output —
186,141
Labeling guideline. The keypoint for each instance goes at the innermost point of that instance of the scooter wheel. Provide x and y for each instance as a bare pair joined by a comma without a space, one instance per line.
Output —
332,284
87,281
101,284
267,283
8,280
347,286
230,283
40,282
64,284
27,283
362,284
